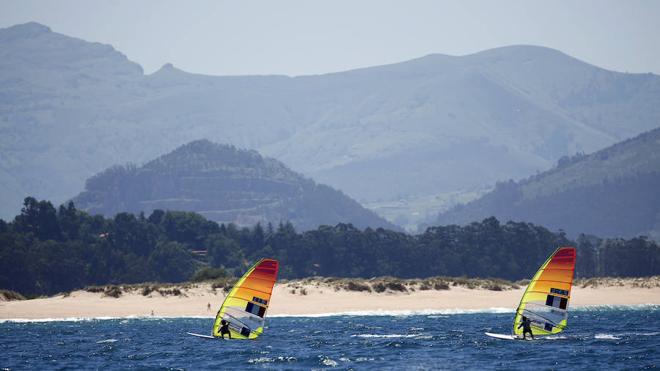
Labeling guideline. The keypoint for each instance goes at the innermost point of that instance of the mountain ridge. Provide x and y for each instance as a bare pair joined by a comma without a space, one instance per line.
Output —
611,192
225,184
408,130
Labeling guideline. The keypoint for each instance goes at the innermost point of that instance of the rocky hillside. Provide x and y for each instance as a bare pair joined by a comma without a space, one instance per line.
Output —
614,192
224,184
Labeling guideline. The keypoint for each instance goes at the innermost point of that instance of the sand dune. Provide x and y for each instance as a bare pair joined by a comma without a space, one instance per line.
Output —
310,297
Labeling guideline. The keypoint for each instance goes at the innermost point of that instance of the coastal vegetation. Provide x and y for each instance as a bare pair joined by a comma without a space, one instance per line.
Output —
319,285
46,250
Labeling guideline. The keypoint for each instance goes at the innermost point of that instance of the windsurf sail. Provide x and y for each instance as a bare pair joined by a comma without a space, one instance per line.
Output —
545,302
245,307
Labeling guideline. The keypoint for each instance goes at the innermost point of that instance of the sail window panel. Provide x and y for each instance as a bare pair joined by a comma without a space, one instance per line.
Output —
260,300
550,301
234,325
556,301
559,291
545,313
255,309
248,319
537,324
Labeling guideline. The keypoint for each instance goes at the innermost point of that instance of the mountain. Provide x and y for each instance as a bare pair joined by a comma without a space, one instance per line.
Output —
612,193
224,184
408,134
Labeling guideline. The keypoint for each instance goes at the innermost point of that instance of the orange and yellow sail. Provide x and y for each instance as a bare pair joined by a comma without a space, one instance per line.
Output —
545,302
245,306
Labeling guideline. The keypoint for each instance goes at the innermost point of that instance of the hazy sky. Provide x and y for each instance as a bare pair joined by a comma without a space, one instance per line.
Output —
307,37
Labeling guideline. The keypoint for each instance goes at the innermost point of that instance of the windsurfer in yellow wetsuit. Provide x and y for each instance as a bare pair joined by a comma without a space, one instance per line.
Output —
526,325
224,329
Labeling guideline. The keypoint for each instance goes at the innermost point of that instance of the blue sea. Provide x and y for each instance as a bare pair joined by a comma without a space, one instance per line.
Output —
606,338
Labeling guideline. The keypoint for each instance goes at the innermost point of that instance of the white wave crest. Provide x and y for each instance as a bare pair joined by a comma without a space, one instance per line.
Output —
400,313
271,359
606,337
106,341
329,362
385,336
99,318
589,308
261,360
431,313
556,337
65,319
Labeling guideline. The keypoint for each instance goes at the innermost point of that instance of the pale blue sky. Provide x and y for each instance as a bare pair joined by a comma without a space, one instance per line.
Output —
309,37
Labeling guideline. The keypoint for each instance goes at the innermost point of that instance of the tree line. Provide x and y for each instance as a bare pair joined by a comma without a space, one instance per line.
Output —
46,250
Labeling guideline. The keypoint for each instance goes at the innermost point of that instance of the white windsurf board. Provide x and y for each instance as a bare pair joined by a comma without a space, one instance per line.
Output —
502,336
201,336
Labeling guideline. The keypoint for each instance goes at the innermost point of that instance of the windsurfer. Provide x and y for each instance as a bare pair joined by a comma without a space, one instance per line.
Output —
224,329
526,325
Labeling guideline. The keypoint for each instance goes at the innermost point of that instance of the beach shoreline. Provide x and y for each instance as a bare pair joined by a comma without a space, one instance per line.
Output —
319,297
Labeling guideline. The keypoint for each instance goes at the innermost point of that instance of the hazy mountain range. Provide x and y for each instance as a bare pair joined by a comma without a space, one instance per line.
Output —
408,131
224,184
614,192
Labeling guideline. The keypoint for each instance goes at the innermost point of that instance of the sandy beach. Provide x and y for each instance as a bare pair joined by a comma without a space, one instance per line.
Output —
309,297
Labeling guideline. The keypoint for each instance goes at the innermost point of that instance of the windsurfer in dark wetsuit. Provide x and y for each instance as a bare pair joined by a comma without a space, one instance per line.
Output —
224,329
526,325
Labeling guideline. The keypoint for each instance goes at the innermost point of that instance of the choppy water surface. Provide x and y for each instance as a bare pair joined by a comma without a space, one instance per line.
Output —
596,339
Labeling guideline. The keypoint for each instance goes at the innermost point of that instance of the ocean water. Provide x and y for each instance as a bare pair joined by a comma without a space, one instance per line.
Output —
605,338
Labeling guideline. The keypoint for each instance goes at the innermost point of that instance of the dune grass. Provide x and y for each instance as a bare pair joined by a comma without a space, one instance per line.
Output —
376,285
9,295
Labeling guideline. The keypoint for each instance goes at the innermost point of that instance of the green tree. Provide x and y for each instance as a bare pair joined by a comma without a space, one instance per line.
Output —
171,262
38,218
223,251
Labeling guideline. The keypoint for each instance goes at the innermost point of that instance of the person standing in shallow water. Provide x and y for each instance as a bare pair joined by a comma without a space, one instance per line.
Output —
526,325
224,329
